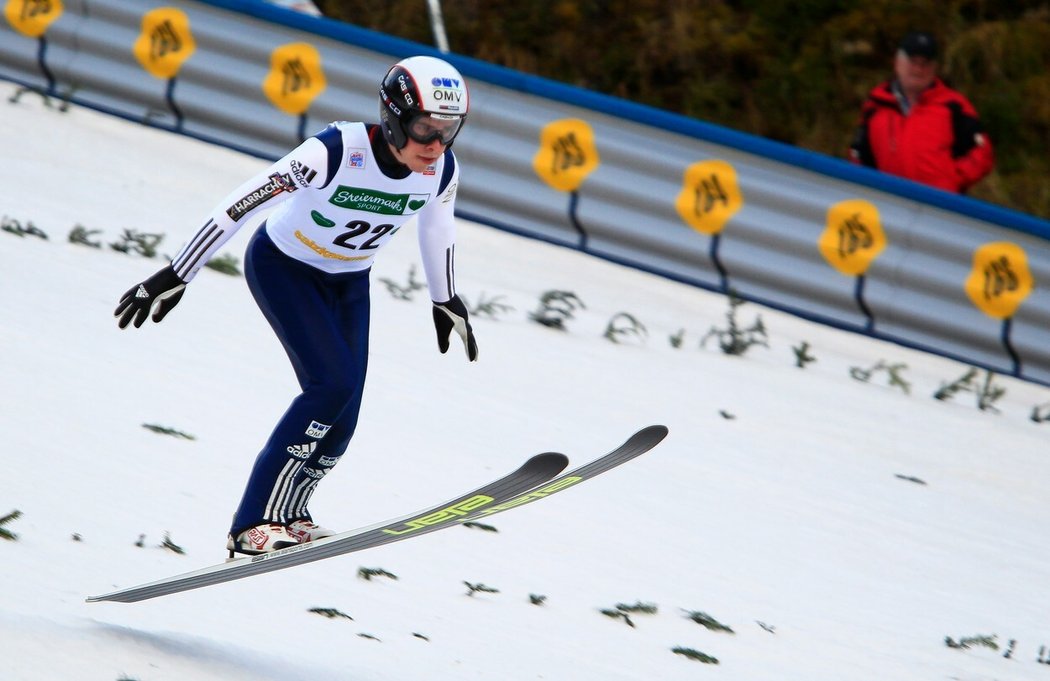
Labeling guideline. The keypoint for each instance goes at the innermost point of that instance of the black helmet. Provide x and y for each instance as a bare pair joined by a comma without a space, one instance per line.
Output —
424,98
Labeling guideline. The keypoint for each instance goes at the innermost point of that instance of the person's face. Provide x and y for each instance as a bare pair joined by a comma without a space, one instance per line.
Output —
914,73
428,137
417,156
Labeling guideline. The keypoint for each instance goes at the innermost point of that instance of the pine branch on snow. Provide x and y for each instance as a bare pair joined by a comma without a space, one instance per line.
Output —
404,291
4,532
172,546
330,613
224,264
480,526
802,356
164,430
987,393
735,340
624,611
966,642
487,307
893,372
624,325
694,655
555,308
82,235
132,241
479,588
368,573
15,227
705,620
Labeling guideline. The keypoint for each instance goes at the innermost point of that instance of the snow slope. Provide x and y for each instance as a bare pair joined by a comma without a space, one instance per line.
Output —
842,529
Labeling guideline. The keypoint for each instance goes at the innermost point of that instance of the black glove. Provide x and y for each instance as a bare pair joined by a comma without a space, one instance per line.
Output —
452,316
161,292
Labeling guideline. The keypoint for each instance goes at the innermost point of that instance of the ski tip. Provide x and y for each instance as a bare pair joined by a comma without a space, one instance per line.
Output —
548,460
655,432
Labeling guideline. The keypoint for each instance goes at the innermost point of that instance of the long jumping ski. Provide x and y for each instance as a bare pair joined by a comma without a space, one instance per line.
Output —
534,480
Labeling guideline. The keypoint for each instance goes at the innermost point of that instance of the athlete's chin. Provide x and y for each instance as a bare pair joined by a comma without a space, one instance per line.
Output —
421,163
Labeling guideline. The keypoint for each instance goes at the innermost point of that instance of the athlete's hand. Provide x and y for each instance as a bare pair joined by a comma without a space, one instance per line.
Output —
452,316
159,293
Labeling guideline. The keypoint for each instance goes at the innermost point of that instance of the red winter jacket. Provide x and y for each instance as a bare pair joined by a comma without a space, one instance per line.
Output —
940,142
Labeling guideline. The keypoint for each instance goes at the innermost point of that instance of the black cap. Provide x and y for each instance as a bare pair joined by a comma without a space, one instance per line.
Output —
919,44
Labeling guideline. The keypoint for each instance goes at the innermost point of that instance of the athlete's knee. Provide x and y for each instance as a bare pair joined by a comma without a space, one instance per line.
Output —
336,392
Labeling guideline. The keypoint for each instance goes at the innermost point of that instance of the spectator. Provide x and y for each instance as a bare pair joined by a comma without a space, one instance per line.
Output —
917,127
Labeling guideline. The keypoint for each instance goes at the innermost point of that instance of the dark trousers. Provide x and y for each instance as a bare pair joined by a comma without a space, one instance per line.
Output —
322,321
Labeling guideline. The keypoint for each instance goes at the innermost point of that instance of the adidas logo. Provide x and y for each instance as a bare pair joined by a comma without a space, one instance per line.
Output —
302,451
142,292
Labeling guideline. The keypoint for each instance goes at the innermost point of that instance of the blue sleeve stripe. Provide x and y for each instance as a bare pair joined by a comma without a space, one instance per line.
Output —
333,142
446,173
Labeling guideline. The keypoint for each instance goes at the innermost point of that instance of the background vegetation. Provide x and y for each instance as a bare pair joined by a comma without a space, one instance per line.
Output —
790,70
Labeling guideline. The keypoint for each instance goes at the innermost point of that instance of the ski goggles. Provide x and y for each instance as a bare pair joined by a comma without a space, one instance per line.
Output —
427,127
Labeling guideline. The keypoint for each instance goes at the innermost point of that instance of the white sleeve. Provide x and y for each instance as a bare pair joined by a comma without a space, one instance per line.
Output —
305,167
437,239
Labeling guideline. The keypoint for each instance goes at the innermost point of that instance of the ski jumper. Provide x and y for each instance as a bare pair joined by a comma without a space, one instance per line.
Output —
336,200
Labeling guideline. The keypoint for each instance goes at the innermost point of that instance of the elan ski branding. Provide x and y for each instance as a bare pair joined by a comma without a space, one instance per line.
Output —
533,481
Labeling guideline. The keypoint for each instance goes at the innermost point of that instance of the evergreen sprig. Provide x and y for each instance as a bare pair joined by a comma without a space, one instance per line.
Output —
705,620
694,655
556,307
164,430
735,339
172,546
368,573
224,264
82,235
142,243
15,227
404,291
638,608
330,613
487,307
479,588
63,105
618,614
967,642
986,391
4,532
480,526
893,374
802,355
624,325
624,611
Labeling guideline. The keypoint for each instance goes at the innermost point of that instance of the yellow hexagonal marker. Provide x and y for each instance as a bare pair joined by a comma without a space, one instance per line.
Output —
32,17
852,237
710,196
295,78
567,154
1000,279
165,42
